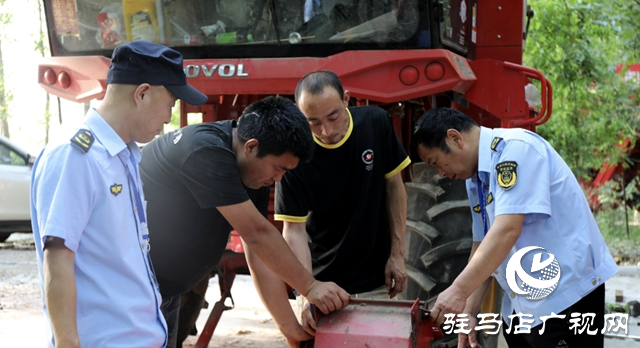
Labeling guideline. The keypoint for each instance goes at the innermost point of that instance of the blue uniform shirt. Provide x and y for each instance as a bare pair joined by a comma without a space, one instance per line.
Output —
86,199
538,183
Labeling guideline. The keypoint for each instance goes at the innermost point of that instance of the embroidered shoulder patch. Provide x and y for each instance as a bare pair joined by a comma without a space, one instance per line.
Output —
495,143
507,175
477,208
116,189
83,140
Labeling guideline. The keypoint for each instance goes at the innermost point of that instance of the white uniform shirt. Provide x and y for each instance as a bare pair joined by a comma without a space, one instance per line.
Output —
86,199
557,218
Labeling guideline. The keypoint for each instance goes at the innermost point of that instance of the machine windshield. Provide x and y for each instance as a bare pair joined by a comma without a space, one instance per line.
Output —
79,27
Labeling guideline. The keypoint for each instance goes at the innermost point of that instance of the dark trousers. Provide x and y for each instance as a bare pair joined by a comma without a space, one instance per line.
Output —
170,308
557,332
181,313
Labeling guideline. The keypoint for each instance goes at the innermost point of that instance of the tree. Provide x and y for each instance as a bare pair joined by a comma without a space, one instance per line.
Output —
5,96
41,47
578,44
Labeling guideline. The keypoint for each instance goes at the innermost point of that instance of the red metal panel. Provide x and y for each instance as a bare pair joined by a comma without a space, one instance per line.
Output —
511,54
375,323
372,75
88,75
500,23
499,90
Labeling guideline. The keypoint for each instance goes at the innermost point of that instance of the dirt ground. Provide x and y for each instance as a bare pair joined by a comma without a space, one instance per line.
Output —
247,325
22,320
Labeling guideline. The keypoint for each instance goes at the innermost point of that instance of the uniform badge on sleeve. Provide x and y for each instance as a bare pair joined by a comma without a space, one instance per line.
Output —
116,189
83,140
507,176
495,142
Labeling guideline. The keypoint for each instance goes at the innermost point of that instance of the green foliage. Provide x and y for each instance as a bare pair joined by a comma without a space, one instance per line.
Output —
620,228
175,117
192,118
578,44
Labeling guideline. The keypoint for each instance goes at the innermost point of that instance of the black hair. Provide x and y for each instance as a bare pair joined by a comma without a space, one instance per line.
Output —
279,126
315,82
431,129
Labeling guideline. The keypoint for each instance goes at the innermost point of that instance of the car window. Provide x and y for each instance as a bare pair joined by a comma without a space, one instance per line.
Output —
10,157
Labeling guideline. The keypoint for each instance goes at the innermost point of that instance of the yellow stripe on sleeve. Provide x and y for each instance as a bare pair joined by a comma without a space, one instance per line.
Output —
402,166
289,218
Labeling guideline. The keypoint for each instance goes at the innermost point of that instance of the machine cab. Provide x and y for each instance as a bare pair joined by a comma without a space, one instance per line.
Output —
260,28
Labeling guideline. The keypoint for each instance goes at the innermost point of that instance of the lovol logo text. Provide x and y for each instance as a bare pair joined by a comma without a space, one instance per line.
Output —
223,70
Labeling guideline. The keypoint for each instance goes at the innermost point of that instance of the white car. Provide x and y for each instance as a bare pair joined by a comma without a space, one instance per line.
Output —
15,176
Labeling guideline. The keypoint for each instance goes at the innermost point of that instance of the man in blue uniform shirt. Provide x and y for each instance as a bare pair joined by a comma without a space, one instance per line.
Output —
88,210
524,200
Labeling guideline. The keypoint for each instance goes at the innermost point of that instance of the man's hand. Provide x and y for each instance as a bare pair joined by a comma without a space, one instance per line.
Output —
297,336
469,340
327,296
395,275
308,323
451,300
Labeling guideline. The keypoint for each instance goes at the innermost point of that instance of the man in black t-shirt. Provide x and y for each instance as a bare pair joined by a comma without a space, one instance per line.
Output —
204,180
344,212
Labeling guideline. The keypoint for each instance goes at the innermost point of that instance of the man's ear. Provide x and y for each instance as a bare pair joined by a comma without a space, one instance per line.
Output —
250,146
346,97
455,138
141,92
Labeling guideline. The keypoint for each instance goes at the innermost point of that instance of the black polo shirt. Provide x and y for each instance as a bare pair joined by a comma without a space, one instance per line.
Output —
341,196
186,174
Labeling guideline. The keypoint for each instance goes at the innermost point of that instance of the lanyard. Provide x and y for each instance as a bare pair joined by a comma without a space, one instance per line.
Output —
483,208
136,193
143,221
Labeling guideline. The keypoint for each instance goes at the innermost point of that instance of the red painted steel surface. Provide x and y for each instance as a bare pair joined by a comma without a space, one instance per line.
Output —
373,75
500,27
376,323
489,92
87,77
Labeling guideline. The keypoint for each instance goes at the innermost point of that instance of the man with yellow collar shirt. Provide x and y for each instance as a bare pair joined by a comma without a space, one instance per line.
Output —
344,212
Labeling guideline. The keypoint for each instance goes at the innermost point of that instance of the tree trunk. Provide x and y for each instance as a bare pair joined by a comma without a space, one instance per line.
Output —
40,47
4,108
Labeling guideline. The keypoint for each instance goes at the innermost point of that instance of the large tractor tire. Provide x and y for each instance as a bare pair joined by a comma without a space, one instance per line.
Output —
438,235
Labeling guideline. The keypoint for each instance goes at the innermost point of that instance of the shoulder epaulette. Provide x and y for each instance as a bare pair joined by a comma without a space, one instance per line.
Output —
495,142
83,140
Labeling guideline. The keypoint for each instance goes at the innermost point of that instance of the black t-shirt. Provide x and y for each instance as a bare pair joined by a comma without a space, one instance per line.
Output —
342,190
186,174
